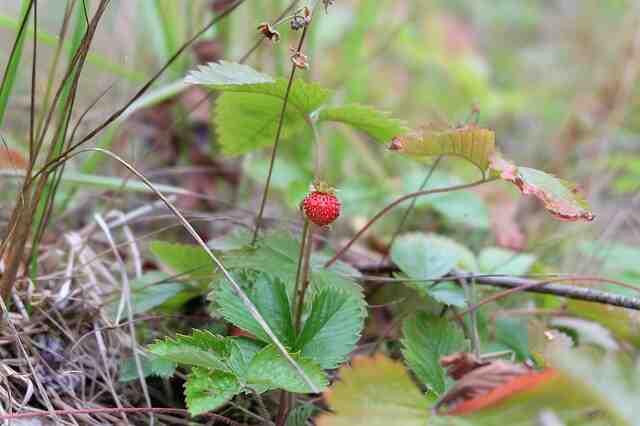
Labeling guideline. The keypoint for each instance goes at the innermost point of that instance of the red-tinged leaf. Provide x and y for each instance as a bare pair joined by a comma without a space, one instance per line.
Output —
470,142
375,392
561,198
513,386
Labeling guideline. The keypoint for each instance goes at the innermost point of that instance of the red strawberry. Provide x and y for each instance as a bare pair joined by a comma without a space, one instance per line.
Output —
321,206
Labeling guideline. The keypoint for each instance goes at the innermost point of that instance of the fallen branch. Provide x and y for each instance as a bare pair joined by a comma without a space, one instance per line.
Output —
567,291
518,284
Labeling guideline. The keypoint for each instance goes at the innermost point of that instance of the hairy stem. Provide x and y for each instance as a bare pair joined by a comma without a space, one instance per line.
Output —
304,279
303,245
469,295
395,203
274,151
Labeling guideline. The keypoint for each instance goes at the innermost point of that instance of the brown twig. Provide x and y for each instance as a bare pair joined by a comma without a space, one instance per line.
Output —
515,285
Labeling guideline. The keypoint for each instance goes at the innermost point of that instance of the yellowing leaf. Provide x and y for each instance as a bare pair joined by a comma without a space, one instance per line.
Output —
470,142
561,198
375,392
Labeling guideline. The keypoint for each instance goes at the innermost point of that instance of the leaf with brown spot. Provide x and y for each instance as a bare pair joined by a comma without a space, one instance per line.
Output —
562,199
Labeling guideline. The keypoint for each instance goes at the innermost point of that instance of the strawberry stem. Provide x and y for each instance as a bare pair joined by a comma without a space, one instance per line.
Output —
304,278
265,192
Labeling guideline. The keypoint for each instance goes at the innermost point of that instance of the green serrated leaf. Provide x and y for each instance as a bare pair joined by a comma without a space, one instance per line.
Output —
242,351
271,370
426,339
277,254
270,298
201,349
223,74
207,390
185,260
247,116
377,124
332,328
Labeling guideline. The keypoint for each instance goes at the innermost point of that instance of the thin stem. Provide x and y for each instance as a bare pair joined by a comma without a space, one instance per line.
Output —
285,102
303,245
409,210
396,202
304,279
469,295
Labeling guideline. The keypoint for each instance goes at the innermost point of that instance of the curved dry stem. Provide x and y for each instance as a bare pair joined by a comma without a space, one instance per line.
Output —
190,229
396,202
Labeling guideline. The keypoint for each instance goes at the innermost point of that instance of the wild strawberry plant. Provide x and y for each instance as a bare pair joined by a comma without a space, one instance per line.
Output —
321,326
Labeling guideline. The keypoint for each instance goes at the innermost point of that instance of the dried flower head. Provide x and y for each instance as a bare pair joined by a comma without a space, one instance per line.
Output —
299,59
301,19
269,32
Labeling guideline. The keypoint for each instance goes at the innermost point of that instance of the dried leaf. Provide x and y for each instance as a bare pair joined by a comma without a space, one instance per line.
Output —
470,142
561,198
483,384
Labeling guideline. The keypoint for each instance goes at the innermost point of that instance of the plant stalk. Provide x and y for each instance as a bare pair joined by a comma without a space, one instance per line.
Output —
274,151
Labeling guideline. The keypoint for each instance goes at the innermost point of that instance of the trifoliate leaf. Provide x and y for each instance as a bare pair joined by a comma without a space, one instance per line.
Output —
426,339
561,198
247,121
270,298
207,390
332,328
186,260
276,254
269,369
377,124
201,349
375,392
470,142
247,114
227,75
